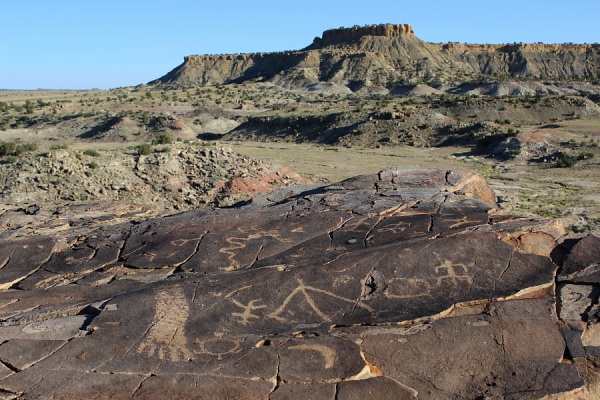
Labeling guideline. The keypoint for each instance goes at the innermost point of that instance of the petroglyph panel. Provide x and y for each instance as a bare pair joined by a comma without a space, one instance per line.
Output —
286,301
258,243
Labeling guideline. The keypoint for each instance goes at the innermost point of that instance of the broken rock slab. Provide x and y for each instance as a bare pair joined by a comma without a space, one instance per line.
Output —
406,284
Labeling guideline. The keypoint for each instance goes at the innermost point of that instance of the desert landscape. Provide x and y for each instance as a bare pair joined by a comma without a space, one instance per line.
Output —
372,215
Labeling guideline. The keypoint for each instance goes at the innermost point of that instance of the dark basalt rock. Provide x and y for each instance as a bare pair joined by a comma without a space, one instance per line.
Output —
404,284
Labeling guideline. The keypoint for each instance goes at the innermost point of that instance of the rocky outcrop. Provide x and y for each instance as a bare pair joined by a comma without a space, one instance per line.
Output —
334,36
405,284
179,176
384,55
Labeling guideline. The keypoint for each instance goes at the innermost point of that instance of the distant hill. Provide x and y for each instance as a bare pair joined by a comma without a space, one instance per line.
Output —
388,56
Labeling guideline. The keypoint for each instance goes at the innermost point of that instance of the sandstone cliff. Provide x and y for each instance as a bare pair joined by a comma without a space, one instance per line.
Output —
385,55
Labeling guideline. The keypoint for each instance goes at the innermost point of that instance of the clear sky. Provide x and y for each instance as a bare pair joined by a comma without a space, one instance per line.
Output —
84,44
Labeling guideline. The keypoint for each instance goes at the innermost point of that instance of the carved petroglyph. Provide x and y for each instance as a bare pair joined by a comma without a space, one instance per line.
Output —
398,227
453,273
183,242
327,353
166,338
304,290
459,222
448,272
73,260
218,347
247,313
238,243
150,256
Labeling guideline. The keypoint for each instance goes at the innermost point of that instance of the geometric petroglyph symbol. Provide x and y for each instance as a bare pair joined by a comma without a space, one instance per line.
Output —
452,273
236,244
218,347
166,337
327,353
304,290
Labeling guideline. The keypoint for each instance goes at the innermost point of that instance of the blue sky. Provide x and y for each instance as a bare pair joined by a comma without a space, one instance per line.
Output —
83,44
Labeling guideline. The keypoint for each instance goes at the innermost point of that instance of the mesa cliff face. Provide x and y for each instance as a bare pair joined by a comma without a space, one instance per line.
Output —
332,36
386,55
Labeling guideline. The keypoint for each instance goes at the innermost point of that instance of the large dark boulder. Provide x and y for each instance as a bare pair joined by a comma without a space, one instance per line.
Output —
405,284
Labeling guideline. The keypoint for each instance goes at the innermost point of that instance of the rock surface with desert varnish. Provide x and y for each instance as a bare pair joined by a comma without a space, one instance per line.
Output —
406,284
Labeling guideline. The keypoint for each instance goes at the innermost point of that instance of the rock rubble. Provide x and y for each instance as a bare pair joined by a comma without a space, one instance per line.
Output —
178,176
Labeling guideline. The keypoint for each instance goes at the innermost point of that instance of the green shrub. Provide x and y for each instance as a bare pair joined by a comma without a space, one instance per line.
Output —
93,165
514,152
29,146
62,146
91,153
162,138
585,156
7,148
565,160
23,148
144,149
11,159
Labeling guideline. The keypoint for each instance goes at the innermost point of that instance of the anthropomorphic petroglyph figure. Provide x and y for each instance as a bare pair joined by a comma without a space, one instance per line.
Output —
166,337
246,315
304,290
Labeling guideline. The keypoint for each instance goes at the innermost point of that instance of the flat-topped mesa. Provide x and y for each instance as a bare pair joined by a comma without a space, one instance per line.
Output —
332,36
520,47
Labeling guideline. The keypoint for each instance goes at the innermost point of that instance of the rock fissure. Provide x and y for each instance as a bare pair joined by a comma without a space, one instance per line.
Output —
8,258
195,252
508,264
260,249
121,256
341,225
9,366
370,231
39,314
276,380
